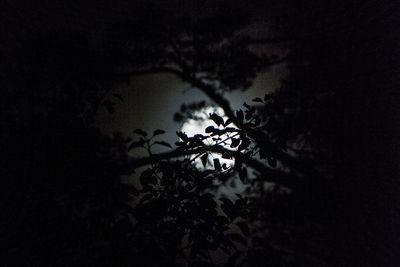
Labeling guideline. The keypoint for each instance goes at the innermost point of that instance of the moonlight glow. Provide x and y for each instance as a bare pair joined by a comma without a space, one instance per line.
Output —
192,127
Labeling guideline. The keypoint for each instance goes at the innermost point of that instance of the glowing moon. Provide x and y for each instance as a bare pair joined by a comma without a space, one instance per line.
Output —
192,127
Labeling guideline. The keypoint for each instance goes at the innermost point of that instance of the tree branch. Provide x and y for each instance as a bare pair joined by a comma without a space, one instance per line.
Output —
268,174
154,70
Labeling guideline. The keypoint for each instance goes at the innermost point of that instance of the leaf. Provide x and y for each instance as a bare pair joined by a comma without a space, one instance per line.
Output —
152,180
235,142
226,251
228,121
147,177
263,153
239,115
119,97
210,129
228,243
244,228
272,162
199,136
132,189
226,201
139,143
228,208
268,97
239,204
158,132
238,163
140,132
183,108
230,130
246,105
217,165
217,119
146,197
163,143
245,143
146,188
243,175
179,143
226,155
182,135
257,99
238,238
204,159
178,117
207,201
207,195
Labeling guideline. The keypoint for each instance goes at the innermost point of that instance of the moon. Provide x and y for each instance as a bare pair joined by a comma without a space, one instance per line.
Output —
192,127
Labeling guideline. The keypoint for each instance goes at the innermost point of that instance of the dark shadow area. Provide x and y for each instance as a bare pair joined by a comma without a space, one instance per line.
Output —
316,158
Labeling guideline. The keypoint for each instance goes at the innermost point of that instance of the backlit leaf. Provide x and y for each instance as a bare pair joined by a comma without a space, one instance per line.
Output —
217,165
272,162
268,97
235,142
257,99
158,132
182,135
139,143
240,116
238,238
228,121
209,129
140,132
244,228
204,159
217,119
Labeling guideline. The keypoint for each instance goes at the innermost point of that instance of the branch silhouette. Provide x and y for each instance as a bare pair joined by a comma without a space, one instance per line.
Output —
269,174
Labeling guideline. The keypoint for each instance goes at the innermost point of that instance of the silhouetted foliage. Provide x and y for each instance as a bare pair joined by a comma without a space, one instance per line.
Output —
64,194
